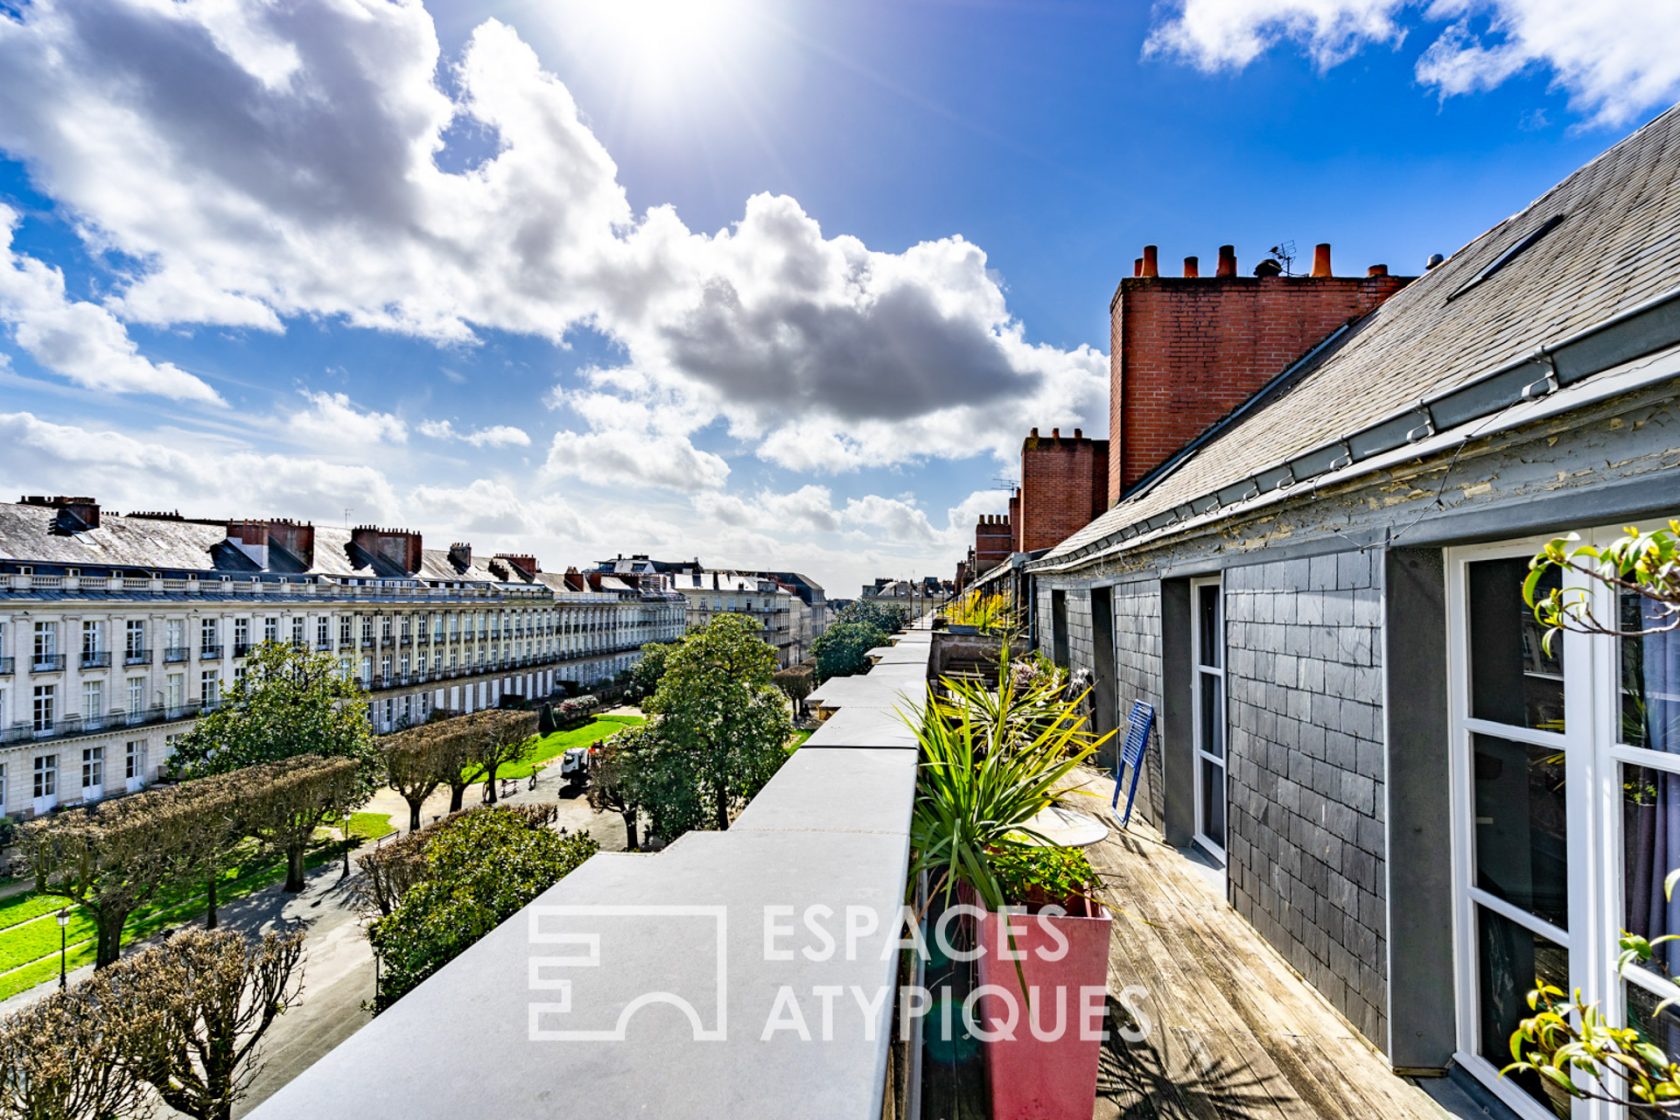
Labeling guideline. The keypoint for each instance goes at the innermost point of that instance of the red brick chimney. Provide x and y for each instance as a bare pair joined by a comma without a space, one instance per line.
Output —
993,542
1064,484
398,547
1183,352
256,538
74,514
524,563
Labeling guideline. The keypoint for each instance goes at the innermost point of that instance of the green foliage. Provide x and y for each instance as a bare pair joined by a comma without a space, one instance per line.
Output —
290,702
887,617
1644,564
481,869
841,650
992,757
720,728
1043,874
990,614
550,747
647,672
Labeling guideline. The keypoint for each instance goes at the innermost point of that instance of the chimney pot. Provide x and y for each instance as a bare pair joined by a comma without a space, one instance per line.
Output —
1034,433
1055,433
1191,268
1321,259
1079,433
1227,261
1377,270
1150,267
1137,266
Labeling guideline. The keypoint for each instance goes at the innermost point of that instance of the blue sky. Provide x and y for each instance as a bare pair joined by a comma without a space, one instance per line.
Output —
770,282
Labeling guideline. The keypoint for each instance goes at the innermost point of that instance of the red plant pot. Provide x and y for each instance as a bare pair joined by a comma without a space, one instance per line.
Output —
1043,1043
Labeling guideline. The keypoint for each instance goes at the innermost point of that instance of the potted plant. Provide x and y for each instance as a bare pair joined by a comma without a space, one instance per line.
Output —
994,754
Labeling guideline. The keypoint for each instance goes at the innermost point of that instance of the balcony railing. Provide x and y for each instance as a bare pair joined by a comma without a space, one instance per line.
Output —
210,653
96,659
241,649
71,726
137,656
46,663
173,654
8,666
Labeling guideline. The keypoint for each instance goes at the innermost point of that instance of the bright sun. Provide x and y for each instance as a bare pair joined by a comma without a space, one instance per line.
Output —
663,47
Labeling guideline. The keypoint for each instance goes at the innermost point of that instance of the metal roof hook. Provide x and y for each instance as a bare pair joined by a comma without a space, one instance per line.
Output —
1253,490
1345,459
1546,384
1425,429
1288,479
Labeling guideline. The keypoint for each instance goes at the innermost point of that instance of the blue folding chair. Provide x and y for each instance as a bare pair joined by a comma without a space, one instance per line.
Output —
1139,725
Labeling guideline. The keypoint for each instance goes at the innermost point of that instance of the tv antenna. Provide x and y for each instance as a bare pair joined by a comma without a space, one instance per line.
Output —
1284,251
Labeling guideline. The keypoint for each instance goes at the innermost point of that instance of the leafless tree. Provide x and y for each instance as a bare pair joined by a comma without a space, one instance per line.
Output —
288,800
417,761
60,1060
189,1013
498,738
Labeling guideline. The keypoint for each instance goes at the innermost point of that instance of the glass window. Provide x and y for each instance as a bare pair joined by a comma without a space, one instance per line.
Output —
1509,960
93,637
93,767
1521,834
46,775
1660,1030
1513,679
46,639
45,700
134,760
1650,850
271,629
136,641
1211,648
1650,672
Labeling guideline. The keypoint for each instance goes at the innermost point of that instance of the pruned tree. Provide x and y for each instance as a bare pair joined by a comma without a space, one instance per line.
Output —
60,1060
842,649
114,856
389,870
190,1012
481,868
720,726
797,682
415,763
497,738
616,779
287,801
289,702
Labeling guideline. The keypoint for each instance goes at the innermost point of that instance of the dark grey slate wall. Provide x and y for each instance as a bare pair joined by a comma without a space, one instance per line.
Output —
1307,805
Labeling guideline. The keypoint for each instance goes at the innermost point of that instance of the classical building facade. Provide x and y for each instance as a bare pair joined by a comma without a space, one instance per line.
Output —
117,632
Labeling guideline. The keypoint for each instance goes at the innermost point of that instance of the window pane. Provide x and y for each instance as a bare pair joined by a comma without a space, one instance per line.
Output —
1512,678
1213,715
1650,850
1211,638
1213,802
1521,838
1662,1031
1509,960
1650,679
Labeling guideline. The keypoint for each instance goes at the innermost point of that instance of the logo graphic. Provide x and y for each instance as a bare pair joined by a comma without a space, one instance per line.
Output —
587,1002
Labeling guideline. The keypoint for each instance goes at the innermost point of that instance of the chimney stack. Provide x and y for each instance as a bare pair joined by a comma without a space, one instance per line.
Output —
74,514
1137,266
1321,259
398,547
1191,267
460,556
1377,270
1227,261
1055,433
1079,433
1150,268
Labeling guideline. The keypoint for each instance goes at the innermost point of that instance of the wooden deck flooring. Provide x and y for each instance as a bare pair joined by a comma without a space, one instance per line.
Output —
1234,1032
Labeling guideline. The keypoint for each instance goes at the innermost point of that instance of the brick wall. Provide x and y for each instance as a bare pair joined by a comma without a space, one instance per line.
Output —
1184,352
1064,484
1306,836
993,542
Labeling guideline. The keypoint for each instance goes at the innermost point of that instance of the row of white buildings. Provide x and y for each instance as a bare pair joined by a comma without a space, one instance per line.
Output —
116,632
791,607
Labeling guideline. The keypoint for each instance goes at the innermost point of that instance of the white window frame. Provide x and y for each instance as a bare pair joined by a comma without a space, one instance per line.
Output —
1198,717
1593,753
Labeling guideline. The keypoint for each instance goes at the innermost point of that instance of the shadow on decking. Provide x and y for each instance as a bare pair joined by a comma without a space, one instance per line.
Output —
1222,1026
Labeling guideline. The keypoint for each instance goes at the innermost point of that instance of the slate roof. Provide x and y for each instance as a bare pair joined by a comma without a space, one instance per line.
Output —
1616,247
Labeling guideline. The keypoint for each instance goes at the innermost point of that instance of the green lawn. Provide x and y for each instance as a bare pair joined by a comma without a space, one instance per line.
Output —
798,740
29,949
550,747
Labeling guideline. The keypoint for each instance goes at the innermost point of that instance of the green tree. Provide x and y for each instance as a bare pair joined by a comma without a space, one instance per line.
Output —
481,869
840,650
796,683
189,1013
616,779
290,702
887,617
720,726
645,674
497,738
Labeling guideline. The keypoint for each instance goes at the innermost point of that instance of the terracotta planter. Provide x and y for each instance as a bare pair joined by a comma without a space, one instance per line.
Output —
1047,1069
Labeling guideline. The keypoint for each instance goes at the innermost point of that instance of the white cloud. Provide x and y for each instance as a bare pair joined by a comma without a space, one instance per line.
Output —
264,162
632,457
79,340
1614,58
496,435
493,512
333,421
